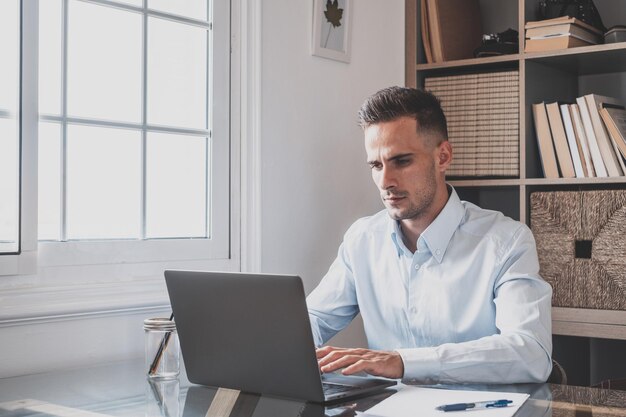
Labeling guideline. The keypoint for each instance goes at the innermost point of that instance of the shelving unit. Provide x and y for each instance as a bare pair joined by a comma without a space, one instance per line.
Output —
544,76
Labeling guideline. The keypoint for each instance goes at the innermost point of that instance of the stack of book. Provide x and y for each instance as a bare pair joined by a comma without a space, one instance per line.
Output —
560,33
584,139
482,111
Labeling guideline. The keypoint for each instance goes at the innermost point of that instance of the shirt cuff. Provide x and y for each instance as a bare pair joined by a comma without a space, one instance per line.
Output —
420,365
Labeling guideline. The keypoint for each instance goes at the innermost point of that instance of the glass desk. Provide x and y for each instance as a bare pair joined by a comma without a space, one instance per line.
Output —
121,389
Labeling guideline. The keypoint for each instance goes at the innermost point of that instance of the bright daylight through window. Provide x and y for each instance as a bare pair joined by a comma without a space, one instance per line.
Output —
125,133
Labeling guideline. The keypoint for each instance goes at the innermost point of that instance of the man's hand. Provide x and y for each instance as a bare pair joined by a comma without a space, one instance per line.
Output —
374,362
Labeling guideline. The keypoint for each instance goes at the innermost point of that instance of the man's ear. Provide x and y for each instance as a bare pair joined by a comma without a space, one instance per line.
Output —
444,153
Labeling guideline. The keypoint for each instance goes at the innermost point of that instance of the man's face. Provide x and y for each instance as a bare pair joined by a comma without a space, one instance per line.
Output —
406,168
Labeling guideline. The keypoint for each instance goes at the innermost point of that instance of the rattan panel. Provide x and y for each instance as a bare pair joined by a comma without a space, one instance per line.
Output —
566,224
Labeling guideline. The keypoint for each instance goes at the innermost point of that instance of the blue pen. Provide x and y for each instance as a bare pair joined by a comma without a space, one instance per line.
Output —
474,406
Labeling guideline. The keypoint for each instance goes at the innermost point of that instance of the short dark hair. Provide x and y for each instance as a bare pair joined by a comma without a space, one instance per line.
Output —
392,103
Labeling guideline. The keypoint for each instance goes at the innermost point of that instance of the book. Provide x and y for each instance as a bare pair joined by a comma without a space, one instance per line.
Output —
455,28
615,121
434,32
581,138
553,43
594,104
560,140
594,150
563,20
425,31
616,149
571,141
544,140
563,29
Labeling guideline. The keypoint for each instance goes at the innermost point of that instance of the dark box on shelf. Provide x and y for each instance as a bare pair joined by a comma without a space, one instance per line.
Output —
581,243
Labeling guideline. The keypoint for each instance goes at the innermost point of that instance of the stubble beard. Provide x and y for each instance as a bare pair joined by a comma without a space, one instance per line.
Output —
419,201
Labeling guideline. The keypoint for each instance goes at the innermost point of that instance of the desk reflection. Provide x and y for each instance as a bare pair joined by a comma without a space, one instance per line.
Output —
213,402
163,398
120,389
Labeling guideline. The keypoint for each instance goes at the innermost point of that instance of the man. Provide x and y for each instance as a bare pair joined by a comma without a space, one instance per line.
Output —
448,292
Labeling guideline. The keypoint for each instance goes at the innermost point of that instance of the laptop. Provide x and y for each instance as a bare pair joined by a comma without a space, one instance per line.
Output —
251,332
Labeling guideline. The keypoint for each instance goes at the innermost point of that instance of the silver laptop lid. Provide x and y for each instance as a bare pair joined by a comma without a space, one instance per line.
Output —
249,332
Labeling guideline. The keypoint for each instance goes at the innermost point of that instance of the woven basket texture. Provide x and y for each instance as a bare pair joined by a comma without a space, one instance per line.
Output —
561,218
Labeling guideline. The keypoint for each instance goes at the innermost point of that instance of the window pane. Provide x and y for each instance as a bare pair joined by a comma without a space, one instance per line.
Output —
9,157
176,186
50,38
103,183
196,9
177,74
9,53
104,62
49,189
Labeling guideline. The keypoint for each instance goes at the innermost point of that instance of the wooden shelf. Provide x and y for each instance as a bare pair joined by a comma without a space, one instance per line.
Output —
469,63
584,60
512,182
582,322
485,183
574,181
560,75
594,59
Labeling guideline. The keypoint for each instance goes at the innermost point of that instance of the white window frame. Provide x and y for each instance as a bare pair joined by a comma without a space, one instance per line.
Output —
218,246
86,278
25,262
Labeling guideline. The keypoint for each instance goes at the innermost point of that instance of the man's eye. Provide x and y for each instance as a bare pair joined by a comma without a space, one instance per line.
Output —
403,161
375,167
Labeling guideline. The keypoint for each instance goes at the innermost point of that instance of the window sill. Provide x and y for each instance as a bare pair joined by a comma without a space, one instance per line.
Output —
76,292
128,251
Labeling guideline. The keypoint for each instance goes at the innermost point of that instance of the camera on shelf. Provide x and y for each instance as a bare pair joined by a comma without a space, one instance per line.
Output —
495,44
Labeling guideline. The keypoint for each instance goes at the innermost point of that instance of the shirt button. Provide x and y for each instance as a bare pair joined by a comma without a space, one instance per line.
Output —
438,252
417,266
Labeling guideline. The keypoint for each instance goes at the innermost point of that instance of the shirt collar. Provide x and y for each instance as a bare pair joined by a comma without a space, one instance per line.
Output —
438,234
396,237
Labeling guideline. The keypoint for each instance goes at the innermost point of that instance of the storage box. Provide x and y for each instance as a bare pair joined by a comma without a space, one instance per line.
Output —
615,34
482,111
581,243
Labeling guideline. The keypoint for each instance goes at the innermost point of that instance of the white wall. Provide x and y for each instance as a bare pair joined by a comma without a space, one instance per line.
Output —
315,182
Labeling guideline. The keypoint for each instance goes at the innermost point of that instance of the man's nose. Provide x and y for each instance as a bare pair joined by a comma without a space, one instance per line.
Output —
387,179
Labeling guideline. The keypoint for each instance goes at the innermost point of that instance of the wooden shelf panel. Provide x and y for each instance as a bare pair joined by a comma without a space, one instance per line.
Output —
588,315
599,331
469,63
512,182
485,182
574,181
594,59
582,322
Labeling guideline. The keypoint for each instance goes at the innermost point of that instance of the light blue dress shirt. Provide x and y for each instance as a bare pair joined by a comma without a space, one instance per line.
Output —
467,306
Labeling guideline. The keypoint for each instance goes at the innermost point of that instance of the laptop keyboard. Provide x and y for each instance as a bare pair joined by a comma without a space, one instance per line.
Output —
331,388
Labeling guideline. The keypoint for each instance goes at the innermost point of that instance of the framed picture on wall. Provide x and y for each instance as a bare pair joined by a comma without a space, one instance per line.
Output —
331,29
